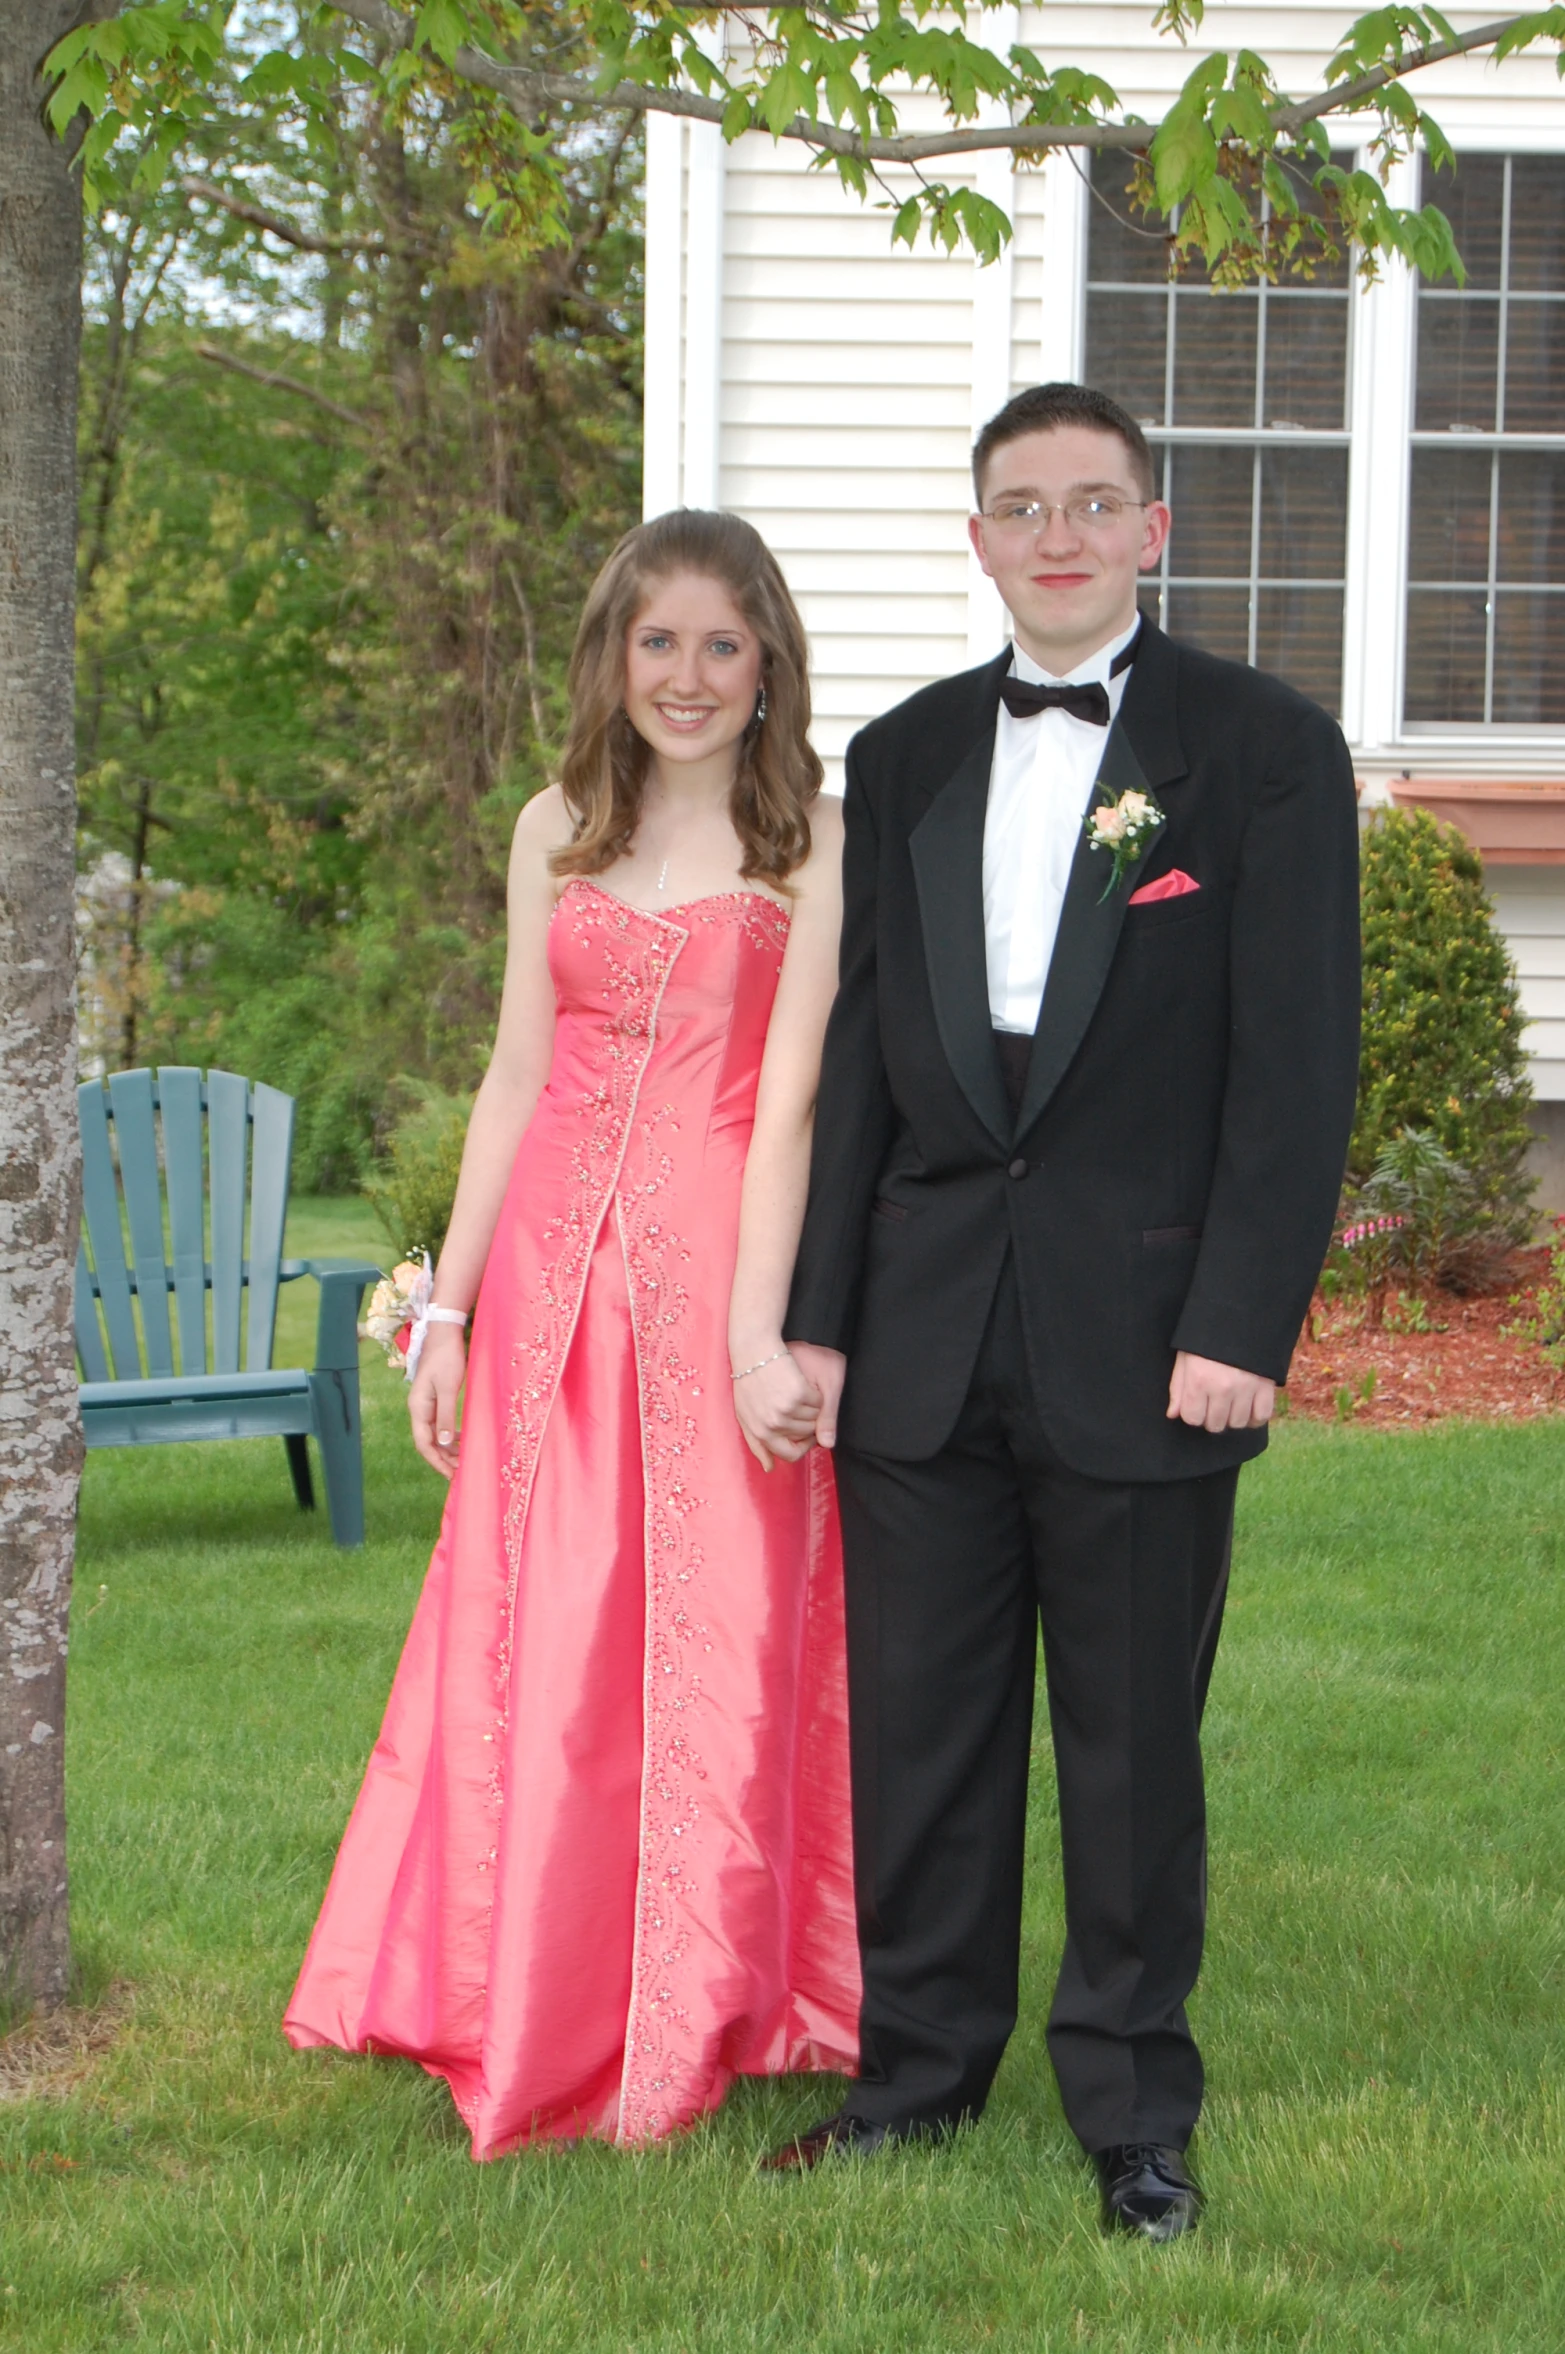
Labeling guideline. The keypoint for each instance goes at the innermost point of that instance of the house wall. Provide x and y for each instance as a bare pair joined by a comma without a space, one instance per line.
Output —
806,373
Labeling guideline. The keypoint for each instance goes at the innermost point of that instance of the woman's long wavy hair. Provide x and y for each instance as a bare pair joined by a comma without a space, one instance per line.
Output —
604,766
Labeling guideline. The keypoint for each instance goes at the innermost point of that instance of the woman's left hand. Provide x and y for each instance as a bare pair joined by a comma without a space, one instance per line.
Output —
777,1406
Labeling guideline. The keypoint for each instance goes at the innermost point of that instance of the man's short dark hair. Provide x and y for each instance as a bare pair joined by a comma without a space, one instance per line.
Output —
1044,407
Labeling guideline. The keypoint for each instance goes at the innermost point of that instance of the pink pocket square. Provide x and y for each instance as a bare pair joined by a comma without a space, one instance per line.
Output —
1169,886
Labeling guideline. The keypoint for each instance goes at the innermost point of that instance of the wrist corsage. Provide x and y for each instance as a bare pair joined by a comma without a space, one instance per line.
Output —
401,1312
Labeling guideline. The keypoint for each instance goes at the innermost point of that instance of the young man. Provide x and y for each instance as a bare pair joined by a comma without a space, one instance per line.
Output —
1081,1128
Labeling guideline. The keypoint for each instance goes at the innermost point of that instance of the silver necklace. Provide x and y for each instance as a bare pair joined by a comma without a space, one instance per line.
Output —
662,882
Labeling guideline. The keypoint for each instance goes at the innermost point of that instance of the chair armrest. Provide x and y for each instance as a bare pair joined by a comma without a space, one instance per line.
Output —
342,1283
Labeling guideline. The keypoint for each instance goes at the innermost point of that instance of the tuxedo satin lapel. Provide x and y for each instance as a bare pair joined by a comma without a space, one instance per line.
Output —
1088,935
947,847
1149,714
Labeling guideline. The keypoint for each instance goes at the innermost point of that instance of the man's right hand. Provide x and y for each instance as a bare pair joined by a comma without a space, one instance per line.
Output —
826,1369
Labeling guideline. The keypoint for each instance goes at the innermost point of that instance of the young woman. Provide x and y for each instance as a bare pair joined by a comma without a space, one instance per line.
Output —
600,1862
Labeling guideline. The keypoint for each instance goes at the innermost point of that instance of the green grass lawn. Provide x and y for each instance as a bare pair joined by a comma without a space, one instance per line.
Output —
1381,2007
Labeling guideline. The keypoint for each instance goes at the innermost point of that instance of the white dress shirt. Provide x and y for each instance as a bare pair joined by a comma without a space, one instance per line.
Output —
1038,787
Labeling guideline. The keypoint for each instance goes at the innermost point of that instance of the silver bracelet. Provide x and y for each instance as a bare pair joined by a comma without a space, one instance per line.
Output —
759,1363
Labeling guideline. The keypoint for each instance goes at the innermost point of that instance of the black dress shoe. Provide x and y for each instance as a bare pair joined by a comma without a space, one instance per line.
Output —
1147,2191
841,2136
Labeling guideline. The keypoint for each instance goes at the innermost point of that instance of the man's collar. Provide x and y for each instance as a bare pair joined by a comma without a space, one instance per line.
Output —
1095,670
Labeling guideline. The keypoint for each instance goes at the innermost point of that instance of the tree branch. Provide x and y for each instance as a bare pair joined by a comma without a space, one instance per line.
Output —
275,377
274,223
1309,110
525,85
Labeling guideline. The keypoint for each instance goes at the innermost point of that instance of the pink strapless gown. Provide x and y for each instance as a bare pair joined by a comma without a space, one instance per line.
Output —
600,1862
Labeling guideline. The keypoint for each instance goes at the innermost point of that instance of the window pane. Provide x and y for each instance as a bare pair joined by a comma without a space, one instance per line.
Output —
1529,659
1304,516
1449,532
1445,655
1472,199
1535,367
1209,490
1538,224
1125,345
1124,247
1216,618
1214,359
1298,633
1306,361
1532,517
1458,346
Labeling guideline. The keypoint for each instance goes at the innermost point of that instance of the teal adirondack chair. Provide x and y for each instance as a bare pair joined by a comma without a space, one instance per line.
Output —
182,1230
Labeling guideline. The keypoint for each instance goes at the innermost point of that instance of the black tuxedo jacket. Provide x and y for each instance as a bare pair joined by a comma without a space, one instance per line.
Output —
1171,1180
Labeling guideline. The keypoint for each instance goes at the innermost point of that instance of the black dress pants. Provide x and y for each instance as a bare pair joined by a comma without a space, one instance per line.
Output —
951,1563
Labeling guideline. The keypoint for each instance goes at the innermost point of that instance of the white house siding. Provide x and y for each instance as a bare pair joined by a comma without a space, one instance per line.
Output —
846,421
809,375
1529,902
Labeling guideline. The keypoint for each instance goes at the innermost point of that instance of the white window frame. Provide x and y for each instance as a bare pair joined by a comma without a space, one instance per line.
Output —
1382,349
1489,442
1383,359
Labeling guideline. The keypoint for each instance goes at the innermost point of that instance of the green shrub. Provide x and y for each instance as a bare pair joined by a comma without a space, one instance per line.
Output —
1442,1055
1417,1214
413,1183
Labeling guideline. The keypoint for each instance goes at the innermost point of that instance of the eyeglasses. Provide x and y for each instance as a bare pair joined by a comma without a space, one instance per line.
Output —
1098,513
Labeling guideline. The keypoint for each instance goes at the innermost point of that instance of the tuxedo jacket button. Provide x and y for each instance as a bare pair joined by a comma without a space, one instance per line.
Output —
1017,1168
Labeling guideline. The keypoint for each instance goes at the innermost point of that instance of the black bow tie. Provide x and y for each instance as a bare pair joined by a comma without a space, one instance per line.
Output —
1024,701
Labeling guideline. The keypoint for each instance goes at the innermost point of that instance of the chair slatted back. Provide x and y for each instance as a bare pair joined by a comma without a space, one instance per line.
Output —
179,1098
247,1133
89,1332
228,1112
101,1219
133,1110
271,1151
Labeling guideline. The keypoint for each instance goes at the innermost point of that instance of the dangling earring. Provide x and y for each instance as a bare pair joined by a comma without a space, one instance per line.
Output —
760,709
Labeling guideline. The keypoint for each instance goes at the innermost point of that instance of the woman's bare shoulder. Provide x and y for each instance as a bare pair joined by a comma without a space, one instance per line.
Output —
826,823
823,868
543,823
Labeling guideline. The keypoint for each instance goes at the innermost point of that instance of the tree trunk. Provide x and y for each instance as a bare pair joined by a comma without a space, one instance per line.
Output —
40,1428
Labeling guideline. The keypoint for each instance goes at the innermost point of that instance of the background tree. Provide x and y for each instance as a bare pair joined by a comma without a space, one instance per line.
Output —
514,82
326,612
40,1438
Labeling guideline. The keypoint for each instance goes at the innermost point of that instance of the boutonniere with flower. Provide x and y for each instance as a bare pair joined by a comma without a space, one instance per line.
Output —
1125,829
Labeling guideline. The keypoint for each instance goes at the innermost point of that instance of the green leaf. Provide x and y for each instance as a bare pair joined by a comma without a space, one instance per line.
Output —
443,27
83,90
1184,151
1438,148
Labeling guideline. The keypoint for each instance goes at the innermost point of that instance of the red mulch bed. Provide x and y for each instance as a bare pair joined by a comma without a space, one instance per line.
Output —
1469,1367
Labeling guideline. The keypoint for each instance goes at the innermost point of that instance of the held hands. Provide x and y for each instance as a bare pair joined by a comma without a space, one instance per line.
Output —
432,1399
1217,1397
790,1405
826,1369
777,1405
